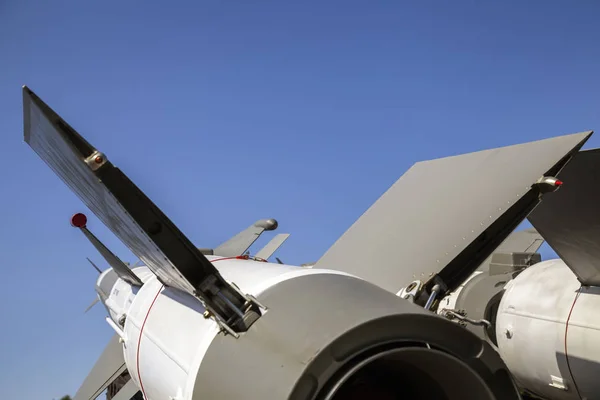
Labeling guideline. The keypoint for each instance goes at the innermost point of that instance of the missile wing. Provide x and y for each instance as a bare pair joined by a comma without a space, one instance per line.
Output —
271,247
109,366
569,220
237,245
132,216
240,243
444,217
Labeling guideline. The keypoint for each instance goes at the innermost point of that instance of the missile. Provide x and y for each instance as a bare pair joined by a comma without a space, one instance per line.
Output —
195,326
540,316
316,339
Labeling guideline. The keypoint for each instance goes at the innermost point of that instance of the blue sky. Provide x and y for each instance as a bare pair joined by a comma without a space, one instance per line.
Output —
227,112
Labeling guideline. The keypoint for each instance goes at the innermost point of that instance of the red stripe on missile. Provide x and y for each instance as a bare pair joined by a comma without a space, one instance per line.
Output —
140,341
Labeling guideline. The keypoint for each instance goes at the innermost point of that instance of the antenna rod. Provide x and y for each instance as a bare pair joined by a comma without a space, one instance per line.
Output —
94,265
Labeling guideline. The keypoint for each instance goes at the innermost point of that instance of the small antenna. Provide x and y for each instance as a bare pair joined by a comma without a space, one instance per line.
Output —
91,305
94,265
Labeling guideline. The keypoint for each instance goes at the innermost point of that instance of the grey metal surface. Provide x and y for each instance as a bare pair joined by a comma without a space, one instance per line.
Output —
64,150
318,324
475,299
108,367
273,245
569,220
526,241
446,216
127,391
410,373
124,208
237,245
478,294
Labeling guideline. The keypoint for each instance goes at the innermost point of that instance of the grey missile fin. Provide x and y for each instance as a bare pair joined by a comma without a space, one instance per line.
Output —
132,216
237,245
444,217
271,247
569,220
109,366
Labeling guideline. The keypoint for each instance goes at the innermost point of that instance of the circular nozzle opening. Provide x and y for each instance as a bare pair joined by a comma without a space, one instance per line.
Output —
410,373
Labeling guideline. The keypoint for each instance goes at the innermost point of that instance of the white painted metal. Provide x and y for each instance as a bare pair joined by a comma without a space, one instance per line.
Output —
531,327
583,343
449,302
167,363
118,293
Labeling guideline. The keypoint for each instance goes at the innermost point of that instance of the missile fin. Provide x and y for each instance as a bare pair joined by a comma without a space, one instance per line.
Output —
271,247
569,220
444,217
109,366
237,245
132,216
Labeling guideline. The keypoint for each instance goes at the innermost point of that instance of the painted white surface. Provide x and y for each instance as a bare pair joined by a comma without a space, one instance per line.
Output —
175,334
583,343
531,326
449,302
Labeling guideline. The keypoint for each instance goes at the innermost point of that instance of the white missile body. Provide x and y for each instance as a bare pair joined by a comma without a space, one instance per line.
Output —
172,351
449,302
548,332
165,334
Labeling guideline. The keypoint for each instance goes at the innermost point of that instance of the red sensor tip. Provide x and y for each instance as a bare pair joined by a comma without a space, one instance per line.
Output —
79,220
558,183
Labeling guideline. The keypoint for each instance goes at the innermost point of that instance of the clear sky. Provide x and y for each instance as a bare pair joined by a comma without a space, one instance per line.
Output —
227,112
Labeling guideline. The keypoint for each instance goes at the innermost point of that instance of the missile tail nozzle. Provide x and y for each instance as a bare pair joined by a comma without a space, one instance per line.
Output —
348,339
408,372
